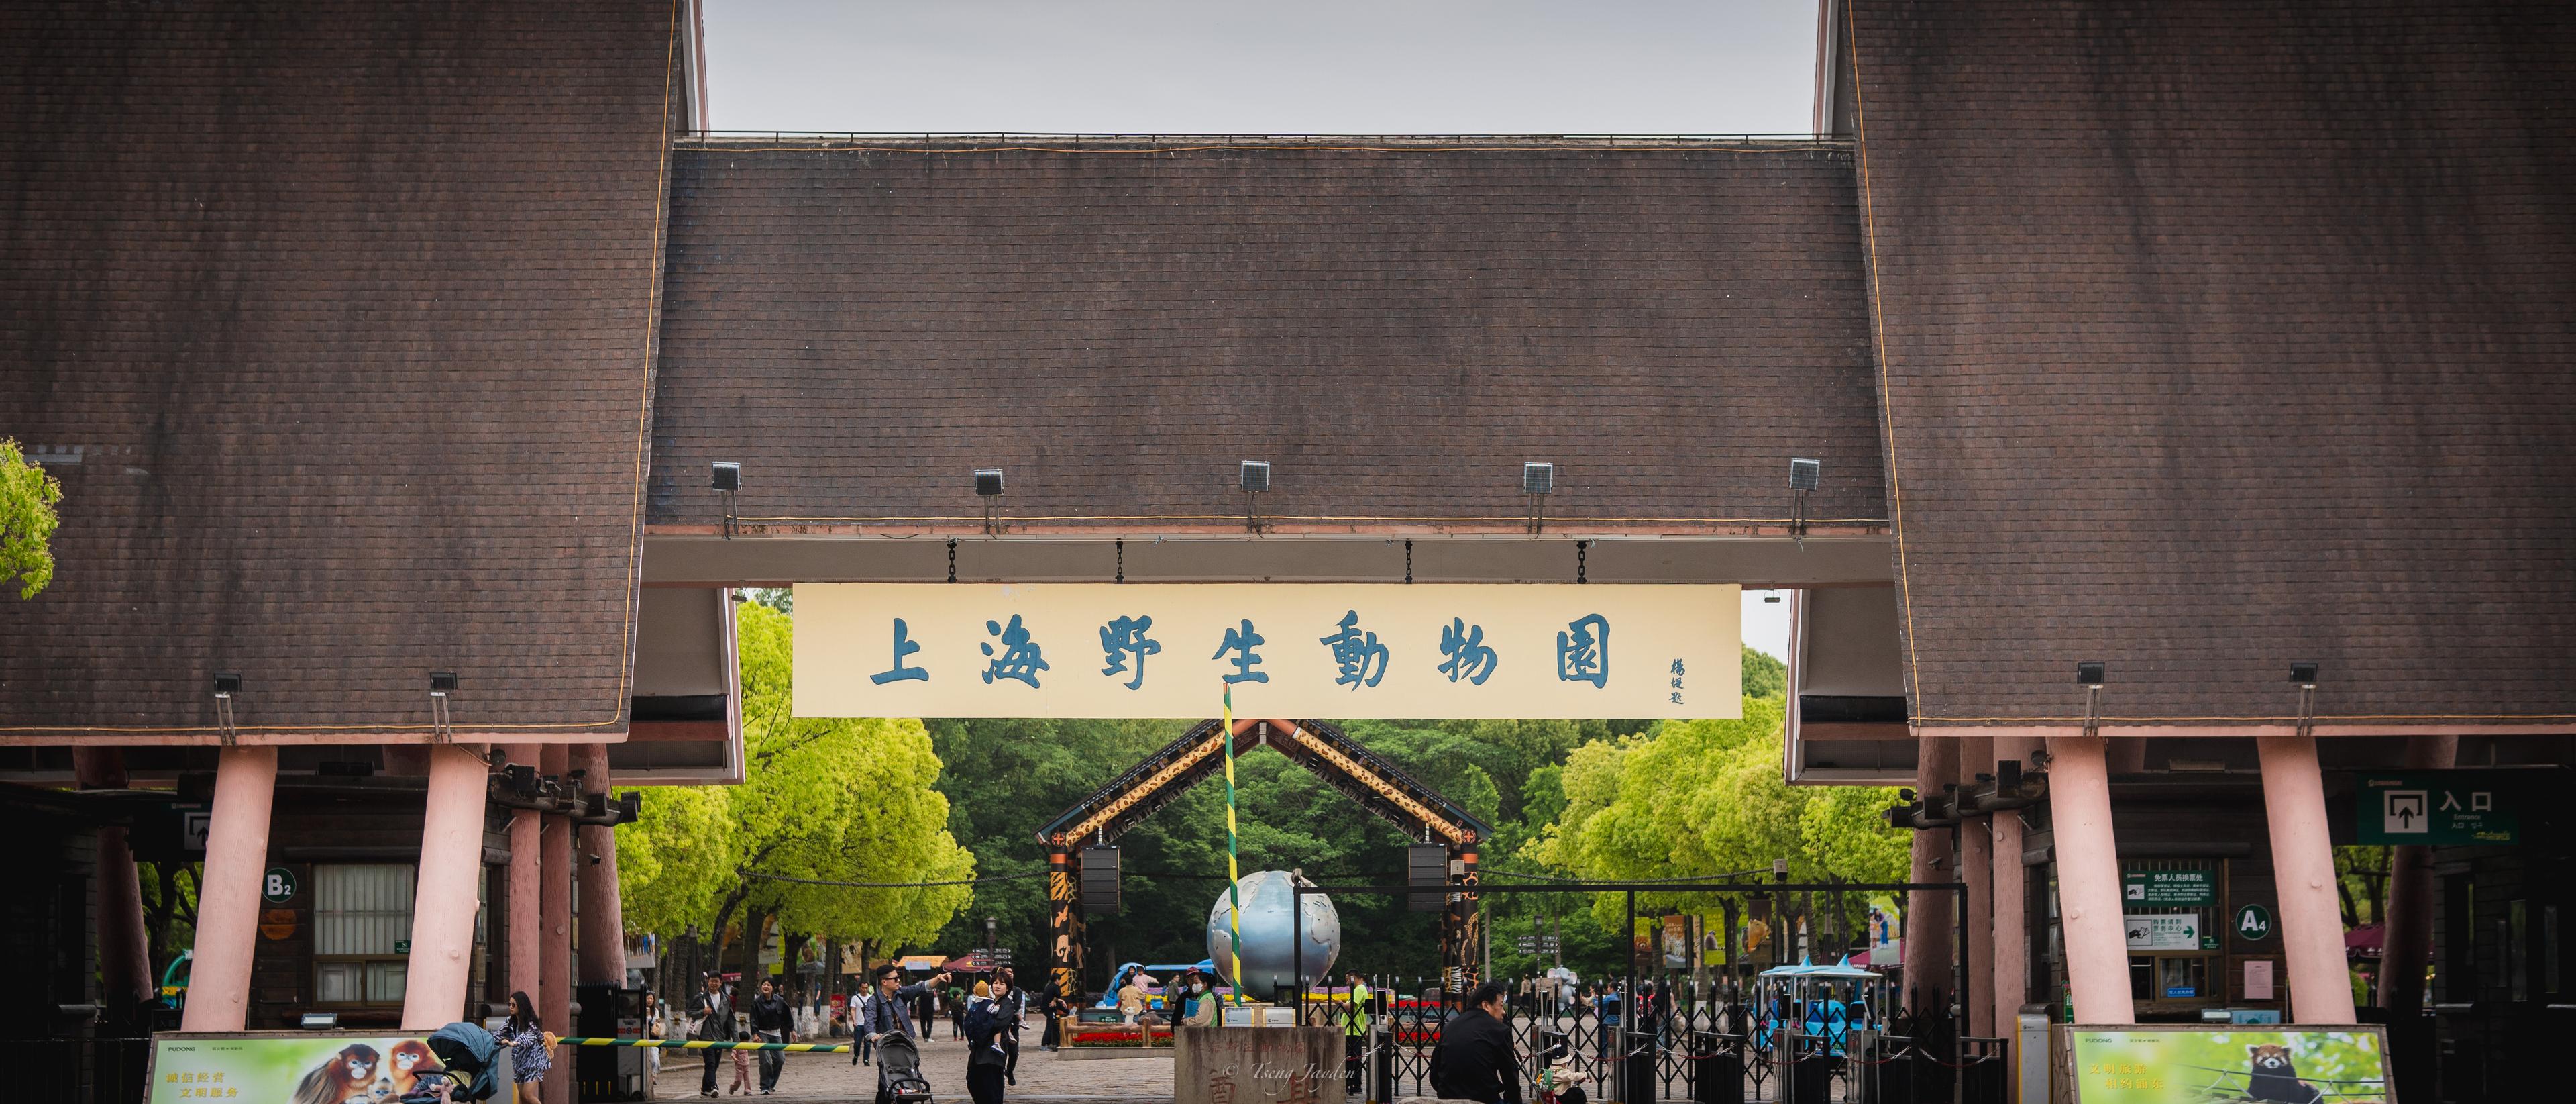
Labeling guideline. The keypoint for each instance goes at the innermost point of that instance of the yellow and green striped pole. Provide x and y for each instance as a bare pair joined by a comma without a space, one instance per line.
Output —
1233,873
703,1044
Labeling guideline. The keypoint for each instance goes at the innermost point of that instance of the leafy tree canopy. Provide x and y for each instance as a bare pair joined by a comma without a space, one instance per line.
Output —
27,521
838,800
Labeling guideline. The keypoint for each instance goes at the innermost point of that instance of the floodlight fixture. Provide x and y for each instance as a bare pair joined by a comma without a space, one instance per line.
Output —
318,1021
1255,477
988,486
1804,476
2089,675
227,684
441,684
728,479
1538,480
2303,674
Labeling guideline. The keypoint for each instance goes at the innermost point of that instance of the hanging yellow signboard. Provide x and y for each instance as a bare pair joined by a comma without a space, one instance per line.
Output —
1433,651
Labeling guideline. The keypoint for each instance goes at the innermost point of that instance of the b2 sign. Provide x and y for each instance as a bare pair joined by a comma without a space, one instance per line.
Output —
1527,650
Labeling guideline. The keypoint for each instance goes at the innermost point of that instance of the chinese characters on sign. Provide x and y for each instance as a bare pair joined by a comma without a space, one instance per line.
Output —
2456,808
944,650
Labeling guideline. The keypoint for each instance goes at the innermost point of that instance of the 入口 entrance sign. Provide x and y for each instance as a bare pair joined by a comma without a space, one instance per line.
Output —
1431,650
2437,807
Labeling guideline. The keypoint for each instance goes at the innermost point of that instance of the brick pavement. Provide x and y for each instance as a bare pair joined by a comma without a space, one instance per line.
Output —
1042,1077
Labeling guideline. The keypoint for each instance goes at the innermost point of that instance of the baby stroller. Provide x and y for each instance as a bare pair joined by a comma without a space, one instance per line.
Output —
899,1070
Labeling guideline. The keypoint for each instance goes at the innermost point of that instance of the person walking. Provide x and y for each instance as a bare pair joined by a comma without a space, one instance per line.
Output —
883,1014
956,1008
712,1013
1057,1008
532,1049
773,1020
924,1001
1010,1006
1474,1059
657,1025
987,1059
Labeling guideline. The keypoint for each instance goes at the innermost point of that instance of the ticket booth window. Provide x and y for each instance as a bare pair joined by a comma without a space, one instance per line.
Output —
361,932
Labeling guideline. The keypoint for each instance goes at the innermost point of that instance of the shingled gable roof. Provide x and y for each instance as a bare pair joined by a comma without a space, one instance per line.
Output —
1396,326
347,309
2220,335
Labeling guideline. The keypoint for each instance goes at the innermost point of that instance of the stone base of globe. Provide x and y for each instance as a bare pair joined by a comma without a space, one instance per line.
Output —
1270,960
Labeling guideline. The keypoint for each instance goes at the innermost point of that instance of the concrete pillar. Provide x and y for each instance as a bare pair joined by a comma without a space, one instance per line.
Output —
1929,965
2008,968
554,954
2088,881
443,897
2303,872
603,933
124,948
527,906
228,896
1977,868
2409,946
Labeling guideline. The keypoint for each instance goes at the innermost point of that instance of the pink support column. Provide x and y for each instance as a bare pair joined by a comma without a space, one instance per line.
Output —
1977,868
2410,897
1929,965
554,956
124,947
443,898
2294,802
2088,881
527,916
603,934
2008,968
228,894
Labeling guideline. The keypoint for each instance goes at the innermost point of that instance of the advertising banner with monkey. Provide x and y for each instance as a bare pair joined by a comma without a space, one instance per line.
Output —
292,1067
2148,1064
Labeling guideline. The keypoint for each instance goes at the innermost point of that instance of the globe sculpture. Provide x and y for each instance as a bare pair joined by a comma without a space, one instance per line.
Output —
1269,958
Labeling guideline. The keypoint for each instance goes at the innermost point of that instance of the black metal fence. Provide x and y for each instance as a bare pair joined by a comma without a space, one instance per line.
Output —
1672,1038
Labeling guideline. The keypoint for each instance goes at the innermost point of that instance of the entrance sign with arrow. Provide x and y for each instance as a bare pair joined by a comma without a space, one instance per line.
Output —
2449,808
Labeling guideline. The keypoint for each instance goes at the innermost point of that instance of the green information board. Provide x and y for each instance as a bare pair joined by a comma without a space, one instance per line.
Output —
2177,888
2440,808
274,1067
2180,1064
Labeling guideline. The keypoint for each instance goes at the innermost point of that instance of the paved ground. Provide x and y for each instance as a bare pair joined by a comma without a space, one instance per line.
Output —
1042,1077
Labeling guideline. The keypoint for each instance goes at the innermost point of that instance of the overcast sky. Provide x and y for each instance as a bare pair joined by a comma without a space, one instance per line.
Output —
1310,66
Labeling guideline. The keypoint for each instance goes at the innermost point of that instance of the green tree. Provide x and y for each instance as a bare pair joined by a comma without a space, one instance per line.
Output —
834,800
1707,798
1764,676
27,521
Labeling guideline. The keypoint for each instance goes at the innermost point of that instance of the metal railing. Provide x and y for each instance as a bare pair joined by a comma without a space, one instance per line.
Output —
1670,1038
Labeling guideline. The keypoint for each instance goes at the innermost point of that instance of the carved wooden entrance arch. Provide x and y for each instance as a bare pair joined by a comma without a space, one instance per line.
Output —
1319,746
